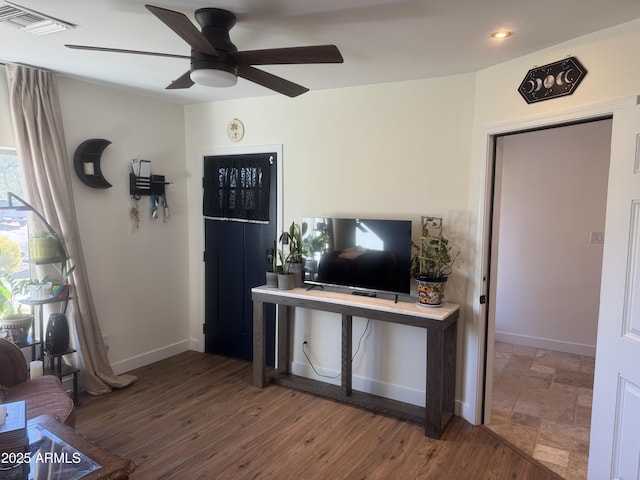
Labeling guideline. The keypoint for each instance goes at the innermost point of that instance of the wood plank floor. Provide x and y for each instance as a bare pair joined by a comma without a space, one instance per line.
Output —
196,416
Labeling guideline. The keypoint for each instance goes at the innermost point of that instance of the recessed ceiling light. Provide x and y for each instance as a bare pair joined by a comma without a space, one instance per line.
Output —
501,34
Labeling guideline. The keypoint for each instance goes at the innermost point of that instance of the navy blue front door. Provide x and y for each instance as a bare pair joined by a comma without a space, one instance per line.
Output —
235,262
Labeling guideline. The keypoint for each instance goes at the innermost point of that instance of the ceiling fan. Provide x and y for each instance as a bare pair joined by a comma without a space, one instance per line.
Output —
215,60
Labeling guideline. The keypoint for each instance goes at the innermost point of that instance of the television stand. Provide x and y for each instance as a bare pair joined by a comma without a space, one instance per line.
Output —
440,324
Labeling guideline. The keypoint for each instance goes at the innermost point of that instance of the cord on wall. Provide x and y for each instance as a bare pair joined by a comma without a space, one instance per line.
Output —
305,343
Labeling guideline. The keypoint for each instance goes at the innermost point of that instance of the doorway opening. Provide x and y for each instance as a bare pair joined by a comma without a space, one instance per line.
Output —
549,188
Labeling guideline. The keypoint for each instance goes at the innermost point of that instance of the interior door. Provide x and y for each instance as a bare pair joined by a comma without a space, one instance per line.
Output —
235,262
615,436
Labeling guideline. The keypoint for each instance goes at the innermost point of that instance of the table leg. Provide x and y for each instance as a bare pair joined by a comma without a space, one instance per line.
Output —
435,373
449,380
284,355
441,379
259,345
347,346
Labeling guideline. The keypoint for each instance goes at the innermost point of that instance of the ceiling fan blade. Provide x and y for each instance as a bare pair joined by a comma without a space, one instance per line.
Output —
183,81
290,55
271,81
119,50
180,23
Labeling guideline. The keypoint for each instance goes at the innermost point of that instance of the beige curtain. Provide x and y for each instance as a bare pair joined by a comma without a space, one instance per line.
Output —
37,121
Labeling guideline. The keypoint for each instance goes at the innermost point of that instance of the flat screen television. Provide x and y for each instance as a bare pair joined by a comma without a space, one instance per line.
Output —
366,255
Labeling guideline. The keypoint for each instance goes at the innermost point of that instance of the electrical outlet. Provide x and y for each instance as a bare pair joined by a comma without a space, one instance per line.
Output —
306,338
105,342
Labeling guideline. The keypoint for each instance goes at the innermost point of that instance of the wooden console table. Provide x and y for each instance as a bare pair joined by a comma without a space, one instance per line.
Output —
440,324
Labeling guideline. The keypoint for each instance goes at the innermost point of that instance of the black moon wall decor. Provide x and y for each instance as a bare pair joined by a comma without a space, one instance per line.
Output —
554,80
86,162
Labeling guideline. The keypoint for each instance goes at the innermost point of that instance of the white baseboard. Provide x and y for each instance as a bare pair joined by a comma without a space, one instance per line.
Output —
196,345
143,359
546,343
362,384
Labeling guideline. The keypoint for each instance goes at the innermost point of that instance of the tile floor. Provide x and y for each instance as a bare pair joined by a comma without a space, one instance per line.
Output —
542,405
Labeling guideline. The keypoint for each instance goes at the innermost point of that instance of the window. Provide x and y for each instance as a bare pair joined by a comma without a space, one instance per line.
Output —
13,223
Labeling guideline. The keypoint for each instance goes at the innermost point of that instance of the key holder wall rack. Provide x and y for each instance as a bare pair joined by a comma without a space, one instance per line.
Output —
140,186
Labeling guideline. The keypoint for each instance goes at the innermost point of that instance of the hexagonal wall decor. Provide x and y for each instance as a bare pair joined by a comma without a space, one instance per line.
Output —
554,80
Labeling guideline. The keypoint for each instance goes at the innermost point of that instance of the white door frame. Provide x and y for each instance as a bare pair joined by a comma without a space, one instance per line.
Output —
486,322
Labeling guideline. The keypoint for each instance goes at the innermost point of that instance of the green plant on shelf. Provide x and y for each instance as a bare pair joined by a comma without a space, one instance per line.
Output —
43,245
434,256
10,290
285,262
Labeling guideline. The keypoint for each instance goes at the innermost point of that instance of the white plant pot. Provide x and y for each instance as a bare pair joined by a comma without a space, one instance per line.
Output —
41,291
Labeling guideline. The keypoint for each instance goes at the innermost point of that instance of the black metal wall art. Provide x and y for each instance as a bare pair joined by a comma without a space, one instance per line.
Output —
556,79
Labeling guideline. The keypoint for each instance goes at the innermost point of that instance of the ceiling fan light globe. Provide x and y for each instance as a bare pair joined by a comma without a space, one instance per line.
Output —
213,78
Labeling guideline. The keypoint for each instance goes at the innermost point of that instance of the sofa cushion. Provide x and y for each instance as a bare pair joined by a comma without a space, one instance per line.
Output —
14,365
44,395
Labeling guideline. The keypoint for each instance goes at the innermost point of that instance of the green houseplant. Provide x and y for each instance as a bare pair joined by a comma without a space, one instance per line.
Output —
43,246
293,239
272,259
13,322
286,280
432,262
61,290
14,325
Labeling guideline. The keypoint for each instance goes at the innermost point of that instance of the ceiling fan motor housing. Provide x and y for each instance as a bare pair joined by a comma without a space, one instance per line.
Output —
216,24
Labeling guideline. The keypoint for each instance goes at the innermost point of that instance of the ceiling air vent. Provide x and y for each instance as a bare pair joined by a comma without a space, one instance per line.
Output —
30,21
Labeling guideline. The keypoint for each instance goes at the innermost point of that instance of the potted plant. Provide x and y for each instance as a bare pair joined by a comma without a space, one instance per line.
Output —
286,280
272,275
13,322
432,262
293,238
40,289
43,246
61,290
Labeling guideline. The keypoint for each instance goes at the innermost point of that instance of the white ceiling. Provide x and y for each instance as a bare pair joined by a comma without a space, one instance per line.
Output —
380,40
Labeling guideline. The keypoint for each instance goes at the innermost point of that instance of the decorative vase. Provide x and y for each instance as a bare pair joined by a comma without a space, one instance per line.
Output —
286,281
272,279
430,291
57,335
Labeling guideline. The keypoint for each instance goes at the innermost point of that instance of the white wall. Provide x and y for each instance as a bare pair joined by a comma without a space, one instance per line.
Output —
391,151
547,271
139,278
